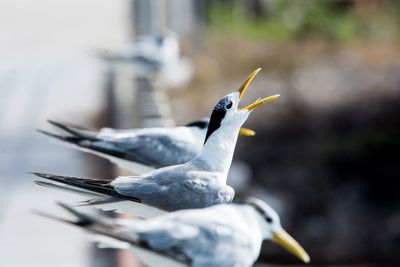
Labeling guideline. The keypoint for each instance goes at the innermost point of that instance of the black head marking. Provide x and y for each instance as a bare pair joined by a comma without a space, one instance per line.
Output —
268,219
217,116
258,208
202,124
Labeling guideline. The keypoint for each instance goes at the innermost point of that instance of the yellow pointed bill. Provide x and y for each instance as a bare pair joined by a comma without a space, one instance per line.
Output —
246,82
259,102
246,132
283,239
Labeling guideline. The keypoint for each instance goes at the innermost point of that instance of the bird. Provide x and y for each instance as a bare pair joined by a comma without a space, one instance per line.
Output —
198,183
138,150
224,235
154,55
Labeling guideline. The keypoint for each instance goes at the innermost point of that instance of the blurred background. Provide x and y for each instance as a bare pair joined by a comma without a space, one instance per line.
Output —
325,154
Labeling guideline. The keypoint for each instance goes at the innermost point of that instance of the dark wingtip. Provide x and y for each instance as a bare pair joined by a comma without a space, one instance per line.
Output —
49,216
54,122
60,125
69,208
50,134
83,219
41,183
43,175
68,126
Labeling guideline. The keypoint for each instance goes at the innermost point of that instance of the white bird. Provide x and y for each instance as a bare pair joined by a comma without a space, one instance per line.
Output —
139,150
157,54
225,235
199,183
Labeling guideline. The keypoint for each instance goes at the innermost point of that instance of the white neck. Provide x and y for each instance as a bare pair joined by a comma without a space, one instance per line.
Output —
197,137
217,152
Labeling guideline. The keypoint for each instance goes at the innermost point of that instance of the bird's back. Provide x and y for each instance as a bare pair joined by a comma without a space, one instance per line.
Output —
207,238
154,147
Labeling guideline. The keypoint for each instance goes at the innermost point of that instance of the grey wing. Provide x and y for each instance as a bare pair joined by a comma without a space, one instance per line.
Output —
175,188
155,150
159,191
199,243
207,189
169,238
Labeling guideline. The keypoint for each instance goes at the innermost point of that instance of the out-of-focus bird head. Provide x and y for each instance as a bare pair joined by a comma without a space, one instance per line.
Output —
227,114
272,229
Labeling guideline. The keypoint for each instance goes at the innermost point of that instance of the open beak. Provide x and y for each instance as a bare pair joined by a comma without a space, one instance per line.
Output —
283,239
246,83
258,102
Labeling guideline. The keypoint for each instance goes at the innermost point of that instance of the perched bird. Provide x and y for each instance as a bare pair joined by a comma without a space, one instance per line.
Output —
139,150
152,52
155,55
225,235
199,183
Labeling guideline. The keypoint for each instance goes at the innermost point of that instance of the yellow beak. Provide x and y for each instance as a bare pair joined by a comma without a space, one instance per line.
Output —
287,242
246,83
246,132
258,102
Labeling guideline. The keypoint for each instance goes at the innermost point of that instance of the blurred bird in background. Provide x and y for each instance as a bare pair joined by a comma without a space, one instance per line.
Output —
155,56
225,235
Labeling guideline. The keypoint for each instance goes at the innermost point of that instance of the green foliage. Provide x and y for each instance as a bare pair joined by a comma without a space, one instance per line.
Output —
288,20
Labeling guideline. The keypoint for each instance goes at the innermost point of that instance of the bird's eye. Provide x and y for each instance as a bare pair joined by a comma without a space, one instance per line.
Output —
229,105
268,219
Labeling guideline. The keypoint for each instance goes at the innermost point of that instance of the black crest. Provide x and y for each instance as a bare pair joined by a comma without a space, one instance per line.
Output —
255,203
217,116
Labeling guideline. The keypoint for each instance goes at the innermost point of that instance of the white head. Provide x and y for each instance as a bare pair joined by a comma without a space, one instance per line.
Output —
272,229
227,114
169,46
224,126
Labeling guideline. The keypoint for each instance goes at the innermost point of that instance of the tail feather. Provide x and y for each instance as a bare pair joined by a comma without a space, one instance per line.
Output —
68,139
73,130
80,219
50,216
88,143
98,201
110,228
69,189
94,185
100,145
95,224
83,220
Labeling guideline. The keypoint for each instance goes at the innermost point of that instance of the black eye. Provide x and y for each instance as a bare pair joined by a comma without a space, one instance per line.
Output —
268,219
229,105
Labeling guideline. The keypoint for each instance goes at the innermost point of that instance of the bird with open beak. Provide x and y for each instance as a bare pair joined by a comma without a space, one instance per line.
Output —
225,235
199,183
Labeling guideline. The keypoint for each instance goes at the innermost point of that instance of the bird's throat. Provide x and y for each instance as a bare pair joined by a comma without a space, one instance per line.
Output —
218,150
